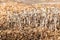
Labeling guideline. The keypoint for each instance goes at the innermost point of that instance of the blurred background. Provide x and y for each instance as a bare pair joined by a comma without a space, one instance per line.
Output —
32,1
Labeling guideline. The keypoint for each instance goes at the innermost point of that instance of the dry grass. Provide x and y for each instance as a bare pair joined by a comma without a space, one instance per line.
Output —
20,21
